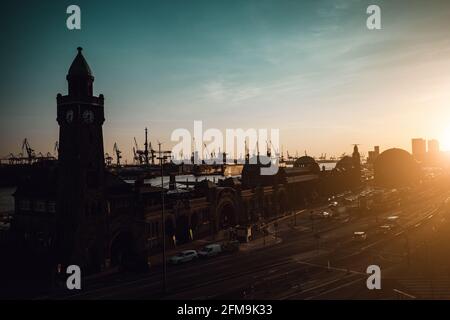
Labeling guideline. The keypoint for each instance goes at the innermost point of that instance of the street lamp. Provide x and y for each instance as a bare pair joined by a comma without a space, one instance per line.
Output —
161,158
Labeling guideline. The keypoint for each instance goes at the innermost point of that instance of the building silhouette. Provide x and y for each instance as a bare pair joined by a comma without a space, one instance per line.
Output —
396,168
81,202
433,147
373,155
77,211
419,149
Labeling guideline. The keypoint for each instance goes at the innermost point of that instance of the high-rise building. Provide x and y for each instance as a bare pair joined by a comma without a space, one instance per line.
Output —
419,148
433,147
373,155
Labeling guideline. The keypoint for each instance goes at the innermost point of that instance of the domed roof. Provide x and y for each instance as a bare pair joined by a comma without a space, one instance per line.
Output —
79,66
307,162
394,154
303,161
395,167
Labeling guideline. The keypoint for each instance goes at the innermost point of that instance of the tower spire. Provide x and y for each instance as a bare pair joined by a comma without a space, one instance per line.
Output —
80,76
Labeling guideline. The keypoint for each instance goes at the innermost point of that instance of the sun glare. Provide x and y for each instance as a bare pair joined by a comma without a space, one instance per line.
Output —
445,139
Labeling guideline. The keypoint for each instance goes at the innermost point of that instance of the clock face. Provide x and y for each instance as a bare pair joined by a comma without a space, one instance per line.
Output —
69,116
88,116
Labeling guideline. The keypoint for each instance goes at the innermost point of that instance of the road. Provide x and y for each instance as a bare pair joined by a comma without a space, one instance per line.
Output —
300,266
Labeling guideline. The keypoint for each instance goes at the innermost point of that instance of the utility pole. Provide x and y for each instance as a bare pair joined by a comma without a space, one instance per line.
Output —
146,148
163,220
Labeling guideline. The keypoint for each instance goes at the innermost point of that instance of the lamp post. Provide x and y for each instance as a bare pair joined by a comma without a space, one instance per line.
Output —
161,158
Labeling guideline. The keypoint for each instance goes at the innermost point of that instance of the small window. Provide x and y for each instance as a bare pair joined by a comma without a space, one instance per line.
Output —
40,206
24,205
52,207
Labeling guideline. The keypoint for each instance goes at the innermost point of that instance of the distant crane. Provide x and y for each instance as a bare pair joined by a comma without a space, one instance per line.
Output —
146,148
30,152
212,154
269,150
12,159
144,156
56,149
163,155
118,154
135,156
108,159
138,155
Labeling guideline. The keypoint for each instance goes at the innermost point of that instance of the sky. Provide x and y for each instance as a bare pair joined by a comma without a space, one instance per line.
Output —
309,68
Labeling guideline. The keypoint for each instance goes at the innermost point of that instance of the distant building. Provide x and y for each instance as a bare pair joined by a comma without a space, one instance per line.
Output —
433,147
396,168
419,148
356,157
373,155
434,154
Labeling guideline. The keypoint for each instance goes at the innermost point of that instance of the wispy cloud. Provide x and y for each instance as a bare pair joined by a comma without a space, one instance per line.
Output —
223,92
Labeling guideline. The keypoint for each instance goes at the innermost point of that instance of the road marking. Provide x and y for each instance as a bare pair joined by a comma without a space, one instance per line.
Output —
334,289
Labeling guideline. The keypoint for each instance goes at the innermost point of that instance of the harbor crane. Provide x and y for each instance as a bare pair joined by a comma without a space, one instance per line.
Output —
12,159
108,159
30,152
270,146
163,155
118,154
211,154
56,149
144,156
139,155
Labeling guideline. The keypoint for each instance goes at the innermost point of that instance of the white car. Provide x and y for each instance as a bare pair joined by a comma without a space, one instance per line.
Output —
326,214
359,236
183,256
333,204
385,228
210,250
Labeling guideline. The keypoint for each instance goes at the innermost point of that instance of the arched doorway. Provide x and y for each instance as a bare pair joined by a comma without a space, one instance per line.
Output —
94,260
194,223
170,228
282,202
227,216
182,229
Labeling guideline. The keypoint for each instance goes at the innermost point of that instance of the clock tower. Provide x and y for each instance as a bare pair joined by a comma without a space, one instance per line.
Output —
81,205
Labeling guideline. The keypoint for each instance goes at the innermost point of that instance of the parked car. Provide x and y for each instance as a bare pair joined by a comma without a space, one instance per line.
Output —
231,246
321,215
5,225
183,256
326,214
359,236
333,204
386,228
210,250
